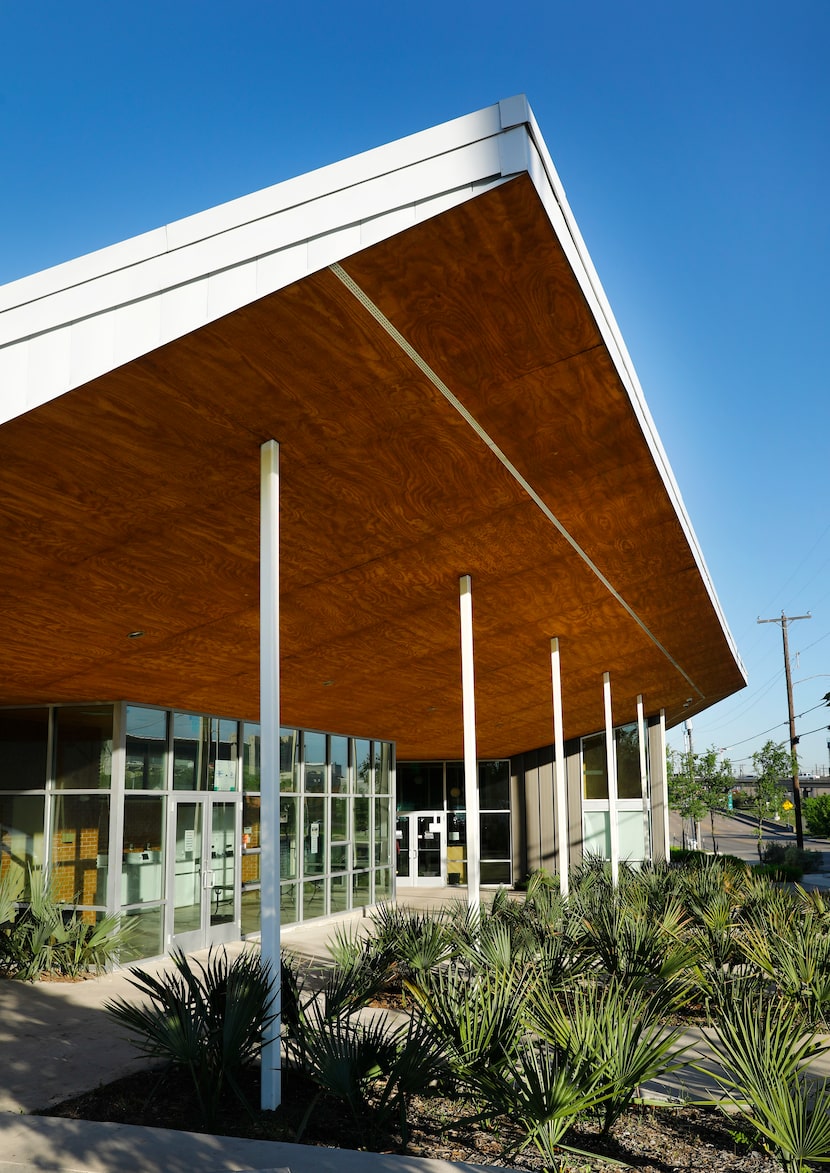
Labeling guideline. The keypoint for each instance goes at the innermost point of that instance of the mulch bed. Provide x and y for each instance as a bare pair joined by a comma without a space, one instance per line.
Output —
651,1140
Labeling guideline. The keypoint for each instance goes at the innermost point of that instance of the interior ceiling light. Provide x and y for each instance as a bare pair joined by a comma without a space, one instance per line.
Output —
134,634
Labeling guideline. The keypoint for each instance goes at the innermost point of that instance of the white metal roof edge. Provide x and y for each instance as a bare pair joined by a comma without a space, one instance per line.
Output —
552,193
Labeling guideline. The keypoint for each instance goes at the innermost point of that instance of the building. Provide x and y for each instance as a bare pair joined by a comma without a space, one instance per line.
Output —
419,335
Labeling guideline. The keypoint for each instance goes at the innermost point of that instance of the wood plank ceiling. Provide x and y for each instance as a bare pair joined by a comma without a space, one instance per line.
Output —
131,504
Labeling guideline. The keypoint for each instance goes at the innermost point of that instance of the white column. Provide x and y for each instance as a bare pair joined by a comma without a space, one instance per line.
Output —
642,734
559,783
470,754
611,758
665,785
269,718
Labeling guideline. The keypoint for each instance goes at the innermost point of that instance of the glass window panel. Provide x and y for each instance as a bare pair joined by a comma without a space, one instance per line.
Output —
360,889
24,735
223,768
495,871
251,756
494,785
420,786
340,890
383,884
187,914
191,750
146,749
339,857
339,820
80,847
250,822
383,841
627,739
632,836
21,836
289,895
83,758
495,836
288,838
290,760
594,767
142,867
314,836
251,911
596,834
251,868
383,767
339,764
145,939
314,898
314,758
223,862
363,765
455,786
361,832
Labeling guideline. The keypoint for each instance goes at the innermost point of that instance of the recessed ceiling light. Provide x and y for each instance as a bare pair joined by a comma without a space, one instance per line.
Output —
327,683
134,634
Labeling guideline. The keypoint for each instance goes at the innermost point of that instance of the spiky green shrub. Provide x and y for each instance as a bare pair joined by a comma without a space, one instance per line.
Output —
204,1019
764,1052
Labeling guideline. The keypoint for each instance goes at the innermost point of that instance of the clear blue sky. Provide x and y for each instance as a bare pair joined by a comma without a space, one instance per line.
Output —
694,145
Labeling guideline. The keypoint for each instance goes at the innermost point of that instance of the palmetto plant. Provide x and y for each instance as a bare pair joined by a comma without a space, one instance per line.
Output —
611,1030
206,1019
764,1052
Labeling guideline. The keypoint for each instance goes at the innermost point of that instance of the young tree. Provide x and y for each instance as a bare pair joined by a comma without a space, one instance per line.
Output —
716,780
685,788
773,764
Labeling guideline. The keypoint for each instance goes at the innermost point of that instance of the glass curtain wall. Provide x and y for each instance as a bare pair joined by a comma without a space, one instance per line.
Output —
86,792
335,817
439,786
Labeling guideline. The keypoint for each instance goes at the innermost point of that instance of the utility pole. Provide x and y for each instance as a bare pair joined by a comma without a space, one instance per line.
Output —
784,621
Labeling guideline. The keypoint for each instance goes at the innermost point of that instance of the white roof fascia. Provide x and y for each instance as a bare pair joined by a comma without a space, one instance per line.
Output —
67,325
528,152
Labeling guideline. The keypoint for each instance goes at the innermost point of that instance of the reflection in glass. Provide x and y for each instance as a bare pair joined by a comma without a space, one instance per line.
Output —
21,838
250,822
383,842
222,862
383,767
80,839
339,765
362,837
314,758
251,756
360,889
142,867
145,939
455,786
83,756
363,765
187,912
24,736
290,760
494,785
340,890
383,884
251,913
629,783
146,749
314,836
594,767
289,894
314,898
288,838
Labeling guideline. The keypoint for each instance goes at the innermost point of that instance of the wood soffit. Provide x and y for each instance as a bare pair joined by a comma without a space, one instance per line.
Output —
131,503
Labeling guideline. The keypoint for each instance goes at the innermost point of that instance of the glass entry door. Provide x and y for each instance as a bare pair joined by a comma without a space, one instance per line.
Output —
421,848
203,863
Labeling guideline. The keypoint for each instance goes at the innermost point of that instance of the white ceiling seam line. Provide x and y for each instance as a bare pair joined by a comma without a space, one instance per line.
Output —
437,382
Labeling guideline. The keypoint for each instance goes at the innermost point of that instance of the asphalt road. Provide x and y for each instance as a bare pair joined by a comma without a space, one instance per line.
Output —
737,835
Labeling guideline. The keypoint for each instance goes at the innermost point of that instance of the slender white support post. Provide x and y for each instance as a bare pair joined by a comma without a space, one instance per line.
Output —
642,733
559,784
470,755
269,718
611,759
665,785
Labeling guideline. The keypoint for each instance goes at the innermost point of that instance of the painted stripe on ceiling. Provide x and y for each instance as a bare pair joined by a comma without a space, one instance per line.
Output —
437,382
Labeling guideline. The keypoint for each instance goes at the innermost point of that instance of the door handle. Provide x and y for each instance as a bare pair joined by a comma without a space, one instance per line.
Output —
207,878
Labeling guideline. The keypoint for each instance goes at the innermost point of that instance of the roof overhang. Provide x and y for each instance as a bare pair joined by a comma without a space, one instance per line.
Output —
423,332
